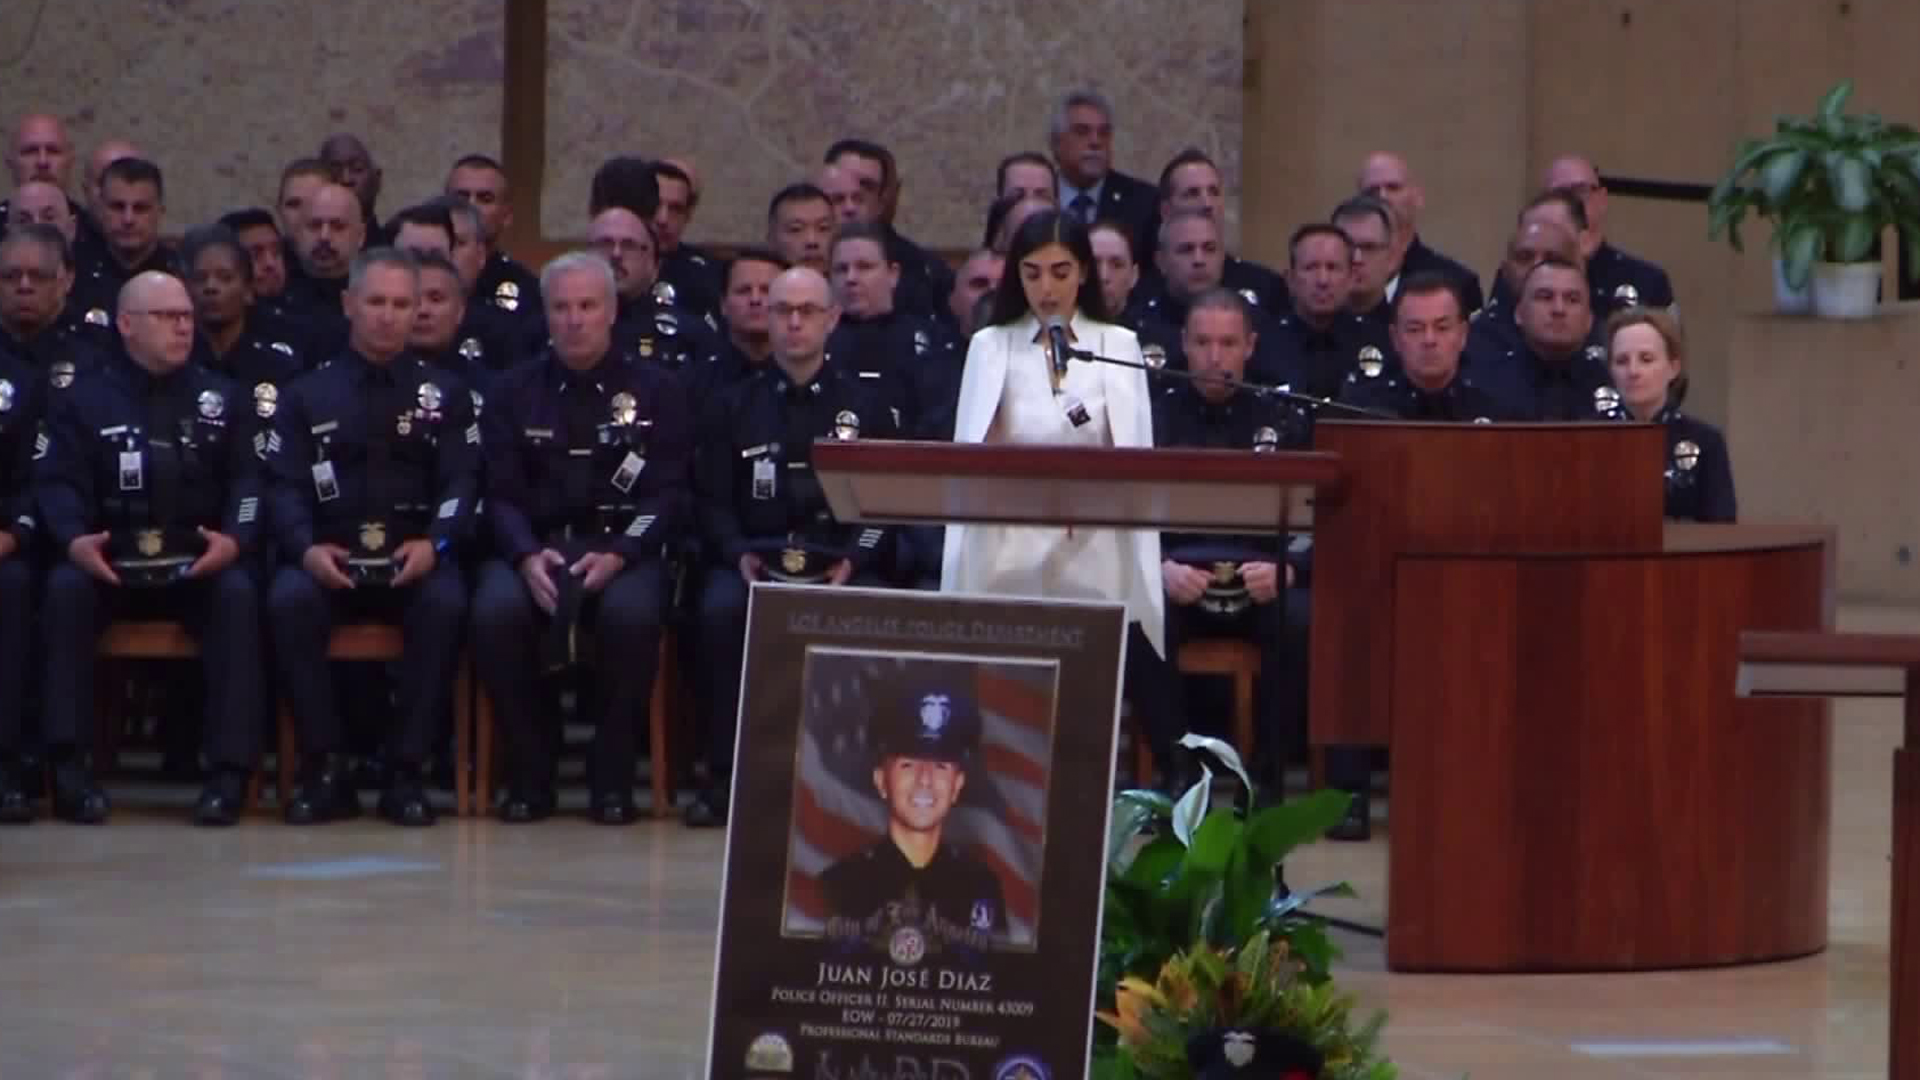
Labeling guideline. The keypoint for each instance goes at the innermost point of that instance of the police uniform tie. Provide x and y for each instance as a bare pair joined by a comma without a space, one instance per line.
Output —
580,410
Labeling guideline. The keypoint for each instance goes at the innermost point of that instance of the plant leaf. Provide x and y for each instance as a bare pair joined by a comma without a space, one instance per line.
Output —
1192,807
1780,173
1214,841
1159,804
1855,238
1277,830
1223,751
1154,863
1125,823
1798,249
1834,101
1852,181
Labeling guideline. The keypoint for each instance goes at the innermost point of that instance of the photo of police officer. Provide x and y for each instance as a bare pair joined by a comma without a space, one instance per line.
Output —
900,811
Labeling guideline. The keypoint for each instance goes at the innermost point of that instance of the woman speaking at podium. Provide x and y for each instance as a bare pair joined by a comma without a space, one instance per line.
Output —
1015,389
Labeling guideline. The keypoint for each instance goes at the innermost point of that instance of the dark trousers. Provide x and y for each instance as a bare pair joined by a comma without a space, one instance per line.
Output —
430,613
625,619
1280,692
222,612
17,628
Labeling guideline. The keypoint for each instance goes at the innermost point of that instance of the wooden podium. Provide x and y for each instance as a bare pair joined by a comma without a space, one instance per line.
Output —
1575,785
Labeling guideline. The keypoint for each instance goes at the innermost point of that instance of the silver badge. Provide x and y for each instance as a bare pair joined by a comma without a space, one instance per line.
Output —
1372,361
1595,352
663,291
61,374
1250,297
921,342
478,402
1627,295
266,399
1266,441
212,405
625,409
1154,355
506,296
1686,454
6,396
281,347
1606,400
470,349
404,425
98,317
429,397
846,425
666,323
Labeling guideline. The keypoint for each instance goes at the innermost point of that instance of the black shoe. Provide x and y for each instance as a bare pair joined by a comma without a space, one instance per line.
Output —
405,801
223,800
1358,824
77,797
325,793
523,808
613,808
709,811
16,805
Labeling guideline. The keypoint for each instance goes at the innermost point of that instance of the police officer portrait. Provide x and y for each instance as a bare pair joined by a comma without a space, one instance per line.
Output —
919,800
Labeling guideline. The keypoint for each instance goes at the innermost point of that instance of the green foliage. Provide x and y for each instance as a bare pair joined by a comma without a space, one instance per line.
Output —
1829,183
1186,874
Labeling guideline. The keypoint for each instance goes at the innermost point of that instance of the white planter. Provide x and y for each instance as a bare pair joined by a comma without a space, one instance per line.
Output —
1788,300
1846,290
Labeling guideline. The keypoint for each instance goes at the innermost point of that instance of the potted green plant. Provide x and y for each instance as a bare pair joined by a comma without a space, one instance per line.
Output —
1830,184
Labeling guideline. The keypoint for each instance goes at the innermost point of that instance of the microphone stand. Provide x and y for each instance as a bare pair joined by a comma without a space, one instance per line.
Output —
1264,390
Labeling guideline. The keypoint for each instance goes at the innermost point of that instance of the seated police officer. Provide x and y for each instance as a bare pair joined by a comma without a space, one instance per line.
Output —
152,492
927,733
23,403
762,513
1318,341
36,269
373,470
647,328
1647,351
1429,336
1552,372
229,342
588,463
908,359
1226,586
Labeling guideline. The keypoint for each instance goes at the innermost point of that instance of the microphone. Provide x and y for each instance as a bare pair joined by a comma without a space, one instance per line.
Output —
1057,340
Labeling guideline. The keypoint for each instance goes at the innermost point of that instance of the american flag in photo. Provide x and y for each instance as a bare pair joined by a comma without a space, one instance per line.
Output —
1000,816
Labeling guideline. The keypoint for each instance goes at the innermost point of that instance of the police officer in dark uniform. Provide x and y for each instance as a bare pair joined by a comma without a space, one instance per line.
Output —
373,467
272,313
1370,227
1314,346
927,735
132,202
862,182
35,269
1552,372
649,330
483,340
908,359
1224,586
1619,280
504,282
689,276
1429,337
154,496
1387,176
747,347
220,275
762,513
1191,181
331,234
1495,327
23,401
588,469
438,337
1648,351
353,165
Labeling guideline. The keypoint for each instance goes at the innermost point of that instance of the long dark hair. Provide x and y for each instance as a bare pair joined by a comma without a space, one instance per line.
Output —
1048,227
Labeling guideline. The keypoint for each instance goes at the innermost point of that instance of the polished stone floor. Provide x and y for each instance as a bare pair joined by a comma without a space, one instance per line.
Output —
147,949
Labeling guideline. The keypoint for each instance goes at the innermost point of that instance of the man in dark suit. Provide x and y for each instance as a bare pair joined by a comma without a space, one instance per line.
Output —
1081,137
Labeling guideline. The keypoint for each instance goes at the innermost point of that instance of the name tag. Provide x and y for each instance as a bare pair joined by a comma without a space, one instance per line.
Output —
325,486
132,474
1076,410
628,472
323,429
763,474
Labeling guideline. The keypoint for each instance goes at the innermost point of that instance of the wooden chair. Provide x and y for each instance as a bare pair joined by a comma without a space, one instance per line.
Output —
1235,658
158,640
662,708
378,643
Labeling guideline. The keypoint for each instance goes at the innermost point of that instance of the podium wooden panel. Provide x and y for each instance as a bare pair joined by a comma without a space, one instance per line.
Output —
1575,786
1422,489
1865,665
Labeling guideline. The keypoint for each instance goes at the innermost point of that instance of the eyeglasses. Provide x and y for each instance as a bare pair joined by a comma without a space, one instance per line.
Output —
175,316
805,311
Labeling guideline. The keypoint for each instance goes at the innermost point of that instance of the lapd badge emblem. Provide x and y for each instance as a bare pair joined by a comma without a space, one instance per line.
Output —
1627,295
404,425
907,946
1250,297
266,399
793,560
625,409
1372,361
98,317
62,374
149,542
1606,399
1154,355
212,405
470,349
846,425
1686,455
506,296
935,712
1238,1048
6,396
1224,573
373,535
663,291
770,1053
430,397
1266,441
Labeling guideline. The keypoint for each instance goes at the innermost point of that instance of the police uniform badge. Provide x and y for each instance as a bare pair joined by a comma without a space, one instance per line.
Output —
61,374
770,1053
212,405
404,425
793,560
98,317
1224,573
430,397
149,542
625,409
1250,297
6,396
1595,352
478,401
1626,294
1606,399
471,349
373,535
1154,355
506,296
663,291
266,399
846,425
921,342
666,323
1686,455
281,347
1266,441
1372,361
